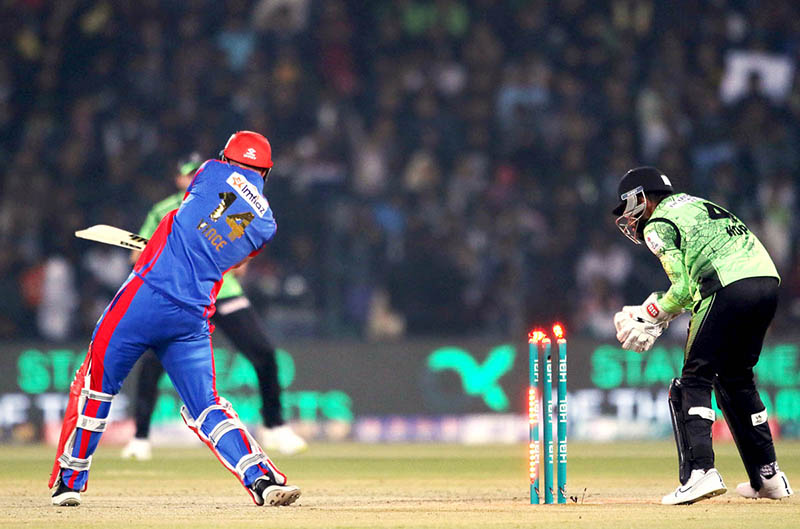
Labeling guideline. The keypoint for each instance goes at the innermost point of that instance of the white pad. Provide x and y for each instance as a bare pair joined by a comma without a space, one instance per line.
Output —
92,423
257,456
250,460
198,423
74,463
85,422
222,428
96,395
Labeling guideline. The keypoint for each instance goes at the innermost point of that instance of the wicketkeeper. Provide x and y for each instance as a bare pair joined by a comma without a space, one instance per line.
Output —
721,272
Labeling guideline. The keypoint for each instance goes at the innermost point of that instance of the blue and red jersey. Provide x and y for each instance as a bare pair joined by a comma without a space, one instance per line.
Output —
223,219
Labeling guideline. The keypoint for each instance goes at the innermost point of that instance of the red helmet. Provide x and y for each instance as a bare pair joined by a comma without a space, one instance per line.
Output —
249,148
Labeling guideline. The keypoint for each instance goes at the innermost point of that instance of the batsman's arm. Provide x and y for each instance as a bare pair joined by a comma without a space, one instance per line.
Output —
663,241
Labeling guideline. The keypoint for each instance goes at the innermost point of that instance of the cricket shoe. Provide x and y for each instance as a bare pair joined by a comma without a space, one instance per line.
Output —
702,484
267,492
283,439
138,449
774,488
65,496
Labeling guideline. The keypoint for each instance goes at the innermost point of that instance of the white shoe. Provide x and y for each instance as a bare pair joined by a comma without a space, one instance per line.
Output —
64,496
267,492
283,439
702,484
137,449
774,488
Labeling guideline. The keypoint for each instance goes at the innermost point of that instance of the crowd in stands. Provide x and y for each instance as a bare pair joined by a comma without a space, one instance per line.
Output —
441,166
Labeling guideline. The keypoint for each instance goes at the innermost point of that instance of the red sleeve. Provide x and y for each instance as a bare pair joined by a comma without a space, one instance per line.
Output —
154,246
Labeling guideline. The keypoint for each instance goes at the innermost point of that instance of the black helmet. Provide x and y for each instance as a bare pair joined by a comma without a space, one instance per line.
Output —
631,190
648,178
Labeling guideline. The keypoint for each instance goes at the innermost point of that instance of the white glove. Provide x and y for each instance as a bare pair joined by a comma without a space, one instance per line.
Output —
653,310
638,341
636,330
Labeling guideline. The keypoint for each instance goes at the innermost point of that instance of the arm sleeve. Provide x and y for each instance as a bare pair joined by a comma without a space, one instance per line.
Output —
664,241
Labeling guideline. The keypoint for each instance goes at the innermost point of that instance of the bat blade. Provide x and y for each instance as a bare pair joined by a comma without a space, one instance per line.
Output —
114,236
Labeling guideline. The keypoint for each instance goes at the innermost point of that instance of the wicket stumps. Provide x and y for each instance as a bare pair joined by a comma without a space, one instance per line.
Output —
538,341
533,412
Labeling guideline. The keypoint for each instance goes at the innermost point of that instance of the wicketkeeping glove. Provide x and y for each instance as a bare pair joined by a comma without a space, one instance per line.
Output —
636,330
653,309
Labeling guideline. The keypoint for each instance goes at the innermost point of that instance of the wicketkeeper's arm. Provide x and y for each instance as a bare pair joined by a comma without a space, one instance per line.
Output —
664,241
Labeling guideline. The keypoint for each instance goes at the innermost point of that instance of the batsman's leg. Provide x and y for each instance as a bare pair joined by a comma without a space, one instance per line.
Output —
111,356
190,365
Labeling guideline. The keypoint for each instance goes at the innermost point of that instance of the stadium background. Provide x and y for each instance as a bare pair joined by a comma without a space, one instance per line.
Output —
443,177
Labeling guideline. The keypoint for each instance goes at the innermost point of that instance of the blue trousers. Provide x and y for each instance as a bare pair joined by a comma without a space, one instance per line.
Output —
139,318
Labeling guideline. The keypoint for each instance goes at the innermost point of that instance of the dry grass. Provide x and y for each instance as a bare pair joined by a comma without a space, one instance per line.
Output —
413,486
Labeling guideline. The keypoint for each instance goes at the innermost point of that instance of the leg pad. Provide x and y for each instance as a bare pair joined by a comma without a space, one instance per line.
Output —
679,429
240,463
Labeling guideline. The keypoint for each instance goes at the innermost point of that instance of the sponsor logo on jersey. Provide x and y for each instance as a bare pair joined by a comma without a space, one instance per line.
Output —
654,242
251,153
676,201
248,192
652,310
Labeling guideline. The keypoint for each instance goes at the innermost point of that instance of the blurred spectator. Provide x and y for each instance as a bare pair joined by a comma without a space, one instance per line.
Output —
441,166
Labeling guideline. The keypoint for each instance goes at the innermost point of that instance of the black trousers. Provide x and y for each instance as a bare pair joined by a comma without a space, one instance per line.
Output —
726,335
242,327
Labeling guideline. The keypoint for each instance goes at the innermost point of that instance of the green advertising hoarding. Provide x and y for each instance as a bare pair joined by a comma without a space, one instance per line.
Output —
426,383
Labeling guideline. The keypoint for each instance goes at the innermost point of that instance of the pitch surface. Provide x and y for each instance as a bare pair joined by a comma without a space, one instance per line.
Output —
390,486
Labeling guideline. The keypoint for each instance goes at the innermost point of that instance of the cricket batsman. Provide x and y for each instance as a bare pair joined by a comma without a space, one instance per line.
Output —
239,320
721,272
165,304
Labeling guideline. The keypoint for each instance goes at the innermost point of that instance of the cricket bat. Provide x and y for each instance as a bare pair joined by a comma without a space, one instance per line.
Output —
115,236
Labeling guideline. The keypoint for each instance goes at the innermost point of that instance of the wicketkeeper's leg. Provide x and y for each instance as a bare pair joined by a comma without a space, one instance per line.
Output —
146,393
746,416
692,418
239,321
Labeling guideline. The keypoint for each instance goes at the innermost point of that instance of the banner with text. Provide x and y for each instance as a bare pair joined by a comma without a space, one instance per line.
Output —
458,390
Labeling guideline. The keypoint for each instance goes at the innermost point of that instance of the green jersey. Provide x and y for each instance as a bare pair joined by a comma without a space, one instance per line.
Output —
702,248
230,286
